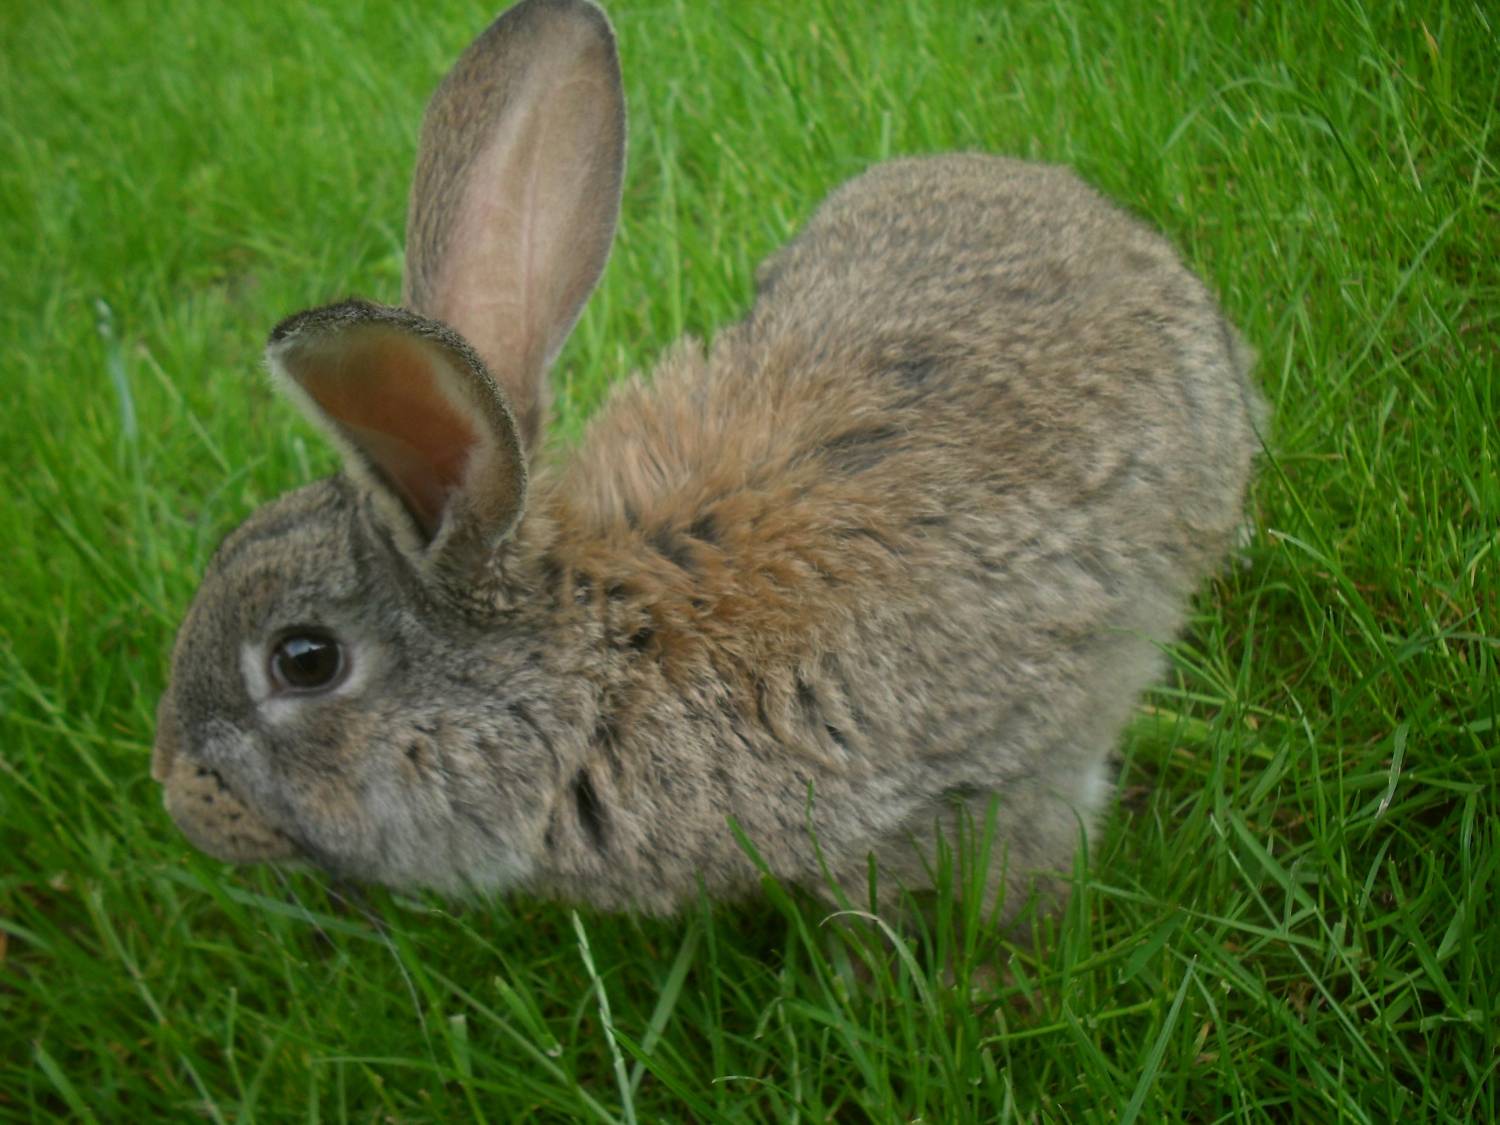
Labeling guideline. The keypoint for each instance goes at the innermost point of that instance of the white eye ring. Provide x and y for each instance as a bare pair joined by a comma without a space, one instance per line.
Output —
278,703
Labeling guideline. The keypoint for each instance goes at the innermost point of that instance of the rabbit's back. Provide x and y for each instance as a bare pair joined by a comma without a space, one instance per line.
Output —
961,360
1020,308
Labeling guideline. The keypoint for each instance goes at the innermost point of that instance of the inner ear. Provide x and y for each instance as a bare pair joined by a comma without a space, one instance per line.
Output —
382,389
419,420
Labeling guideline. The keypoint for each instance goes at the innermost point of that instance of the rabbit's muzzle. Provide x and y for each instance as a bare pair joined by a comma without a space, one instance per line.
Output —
208,812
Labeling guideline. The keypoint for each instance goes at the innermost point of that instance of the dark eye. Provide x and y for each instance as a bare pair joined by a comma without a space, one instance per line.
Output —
306,660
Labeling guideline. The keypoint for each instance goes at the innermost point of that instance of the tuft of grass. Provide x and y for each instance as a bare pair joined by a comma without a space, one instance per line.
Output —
1290,917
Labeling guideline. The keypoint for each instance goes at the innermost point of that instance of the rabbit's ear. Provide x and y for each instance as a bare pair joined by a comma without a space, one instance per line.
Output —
517,189
420,423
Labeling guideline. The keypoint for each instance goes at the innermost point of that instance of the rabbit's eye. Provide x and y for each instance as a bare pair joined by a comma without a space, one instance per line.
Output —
307,660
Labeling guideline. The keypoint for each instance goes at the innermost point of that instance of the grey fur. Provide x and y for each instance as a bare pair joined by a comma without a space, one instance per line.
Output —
909,537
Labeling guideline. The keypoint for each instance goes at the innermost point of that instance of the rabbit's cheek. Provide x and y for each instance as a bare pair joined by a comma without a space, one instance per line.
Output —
215,820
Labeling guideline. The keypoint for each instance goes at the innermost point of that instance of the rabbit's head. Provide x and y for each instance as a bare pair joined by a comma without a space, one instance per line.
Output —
352,684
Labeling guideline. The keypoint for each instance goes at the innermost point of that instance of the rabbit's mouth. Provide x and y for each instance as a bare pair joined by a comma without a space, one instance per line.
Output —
208,811
217,821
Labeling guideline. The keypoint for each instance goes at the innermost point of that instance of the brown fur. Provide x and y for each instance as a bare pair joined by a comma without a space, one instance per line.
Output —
905,540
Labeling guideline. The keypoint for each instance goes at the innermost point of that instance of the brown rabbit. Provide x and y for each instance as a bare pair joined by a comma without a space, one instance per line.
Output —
906,540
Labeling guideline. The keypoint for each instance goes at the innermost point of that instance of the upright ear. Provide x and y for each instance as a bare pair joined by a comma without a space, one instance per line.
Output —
421,425
517,189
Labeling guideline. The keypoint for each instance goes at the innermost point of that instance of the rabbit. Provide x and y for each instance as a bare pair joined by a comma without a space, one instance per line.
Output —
901,548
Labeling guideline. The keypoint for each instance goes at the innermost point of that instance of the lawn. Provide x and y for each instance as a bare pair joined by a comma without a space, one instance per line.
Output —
1290,916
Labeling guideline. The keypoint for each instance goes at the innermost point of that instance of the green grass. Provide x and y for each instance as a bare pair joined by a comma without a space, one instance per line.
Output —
1292,914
